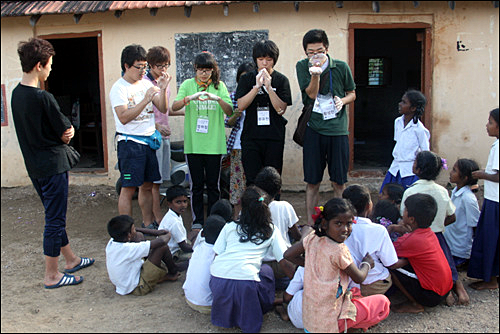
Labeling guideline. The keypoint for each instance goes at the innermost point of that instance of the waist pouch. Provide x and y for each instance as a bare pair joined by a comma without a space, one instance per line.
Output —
154,141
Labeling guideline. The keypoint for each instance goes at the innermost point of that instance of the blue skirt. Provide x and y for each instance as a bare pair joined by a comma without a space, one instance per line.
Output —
483,262
447,254
404,181
242,303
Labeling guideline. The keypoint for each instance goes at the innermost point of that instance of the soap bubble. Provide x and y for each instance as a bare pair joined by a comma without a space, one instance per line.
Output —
317,60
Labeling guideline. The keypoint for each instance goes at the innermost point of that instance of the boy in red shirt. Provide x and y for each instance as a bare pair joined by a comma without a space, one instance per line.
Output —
422,272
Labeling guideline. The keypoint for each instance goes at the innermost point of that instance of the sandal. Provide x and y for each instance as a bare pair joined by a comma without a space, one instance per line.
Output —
84,263
65,280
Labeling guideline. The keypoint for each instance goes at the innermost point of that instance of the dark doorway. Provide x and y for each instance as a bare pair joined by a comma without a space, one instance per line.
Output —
387,63
74,81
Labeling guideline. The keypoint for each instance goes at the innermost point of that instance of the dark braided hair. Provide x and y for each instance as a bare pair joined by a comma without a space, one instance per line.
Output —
429,164
333,208
255,223
466,167
417,100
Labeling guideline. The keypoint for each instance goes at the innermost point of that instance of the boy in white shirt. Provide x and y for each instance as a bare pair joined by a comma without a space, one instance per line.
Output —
177,200
124,258
196,287
369,238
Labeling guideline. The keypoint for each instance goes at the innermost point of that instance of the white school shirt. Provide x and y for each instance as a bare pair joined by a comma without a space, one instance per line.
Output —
172,222
196,287
124,262
459,234
409,141
283,217
296,289
242,260
123,93
491,188
371,238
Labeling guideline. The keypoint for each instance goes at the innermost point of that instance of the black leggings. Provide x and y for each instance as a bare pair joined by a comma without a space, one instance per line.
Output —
204,169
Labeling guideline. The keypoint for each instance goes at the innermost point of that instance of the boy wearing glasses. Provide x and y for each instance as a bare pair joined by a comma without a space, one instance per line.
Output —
329,87
132,99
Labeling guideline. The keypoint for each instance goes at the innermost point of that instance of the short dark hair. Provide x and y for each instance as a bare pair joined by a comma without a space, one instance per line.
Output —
212,227
119,227
244,68
394,191
359,196
33,51
423,208
315,36
158,55
131,54
269,180
494,114
176,191
222,208
265,48
429,164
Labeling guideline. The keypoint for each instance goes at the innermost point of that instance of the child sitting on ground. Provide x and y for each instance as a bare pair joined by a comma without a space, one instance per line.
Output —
124,252
427,167
459,234
392,192
222,208
328,304
386,213
422,273
196,288
283,217
242,287
369,238
177,200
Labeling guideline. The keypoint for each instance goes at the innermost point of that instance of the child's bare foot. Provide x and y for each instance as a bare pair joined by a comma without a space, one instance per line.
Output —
170,277
408,307
482,285
450,300
463,297
282,312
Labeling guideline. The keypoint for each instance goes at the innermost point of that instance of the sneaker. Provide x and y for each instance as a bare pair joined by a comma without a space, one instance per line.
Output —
153,226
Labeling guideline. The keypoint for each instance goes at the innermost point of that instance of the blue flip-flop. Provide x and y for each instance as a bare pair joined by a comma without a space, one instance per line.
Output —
84,263
65,280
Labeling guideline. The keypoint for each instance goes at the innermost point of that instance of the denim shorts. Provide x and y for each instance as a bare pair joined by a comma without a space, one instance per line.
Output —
137,163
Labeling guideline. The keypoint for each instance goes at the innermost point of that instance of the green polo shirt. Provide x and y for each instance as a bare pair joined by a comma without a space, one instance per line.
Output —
214,141
342,82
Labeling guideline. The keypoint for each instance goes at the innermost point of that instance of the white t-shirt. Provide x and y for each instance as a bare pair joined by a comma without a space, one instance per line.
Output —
242,260
459,234
124,262
409,141
123,93
371,238
196,287
296,289
491,188
284,217
172,222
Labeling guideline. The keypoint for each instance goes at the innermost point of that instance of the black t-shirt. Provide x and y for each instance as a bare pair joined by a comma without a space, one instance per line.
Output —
39,125
276,129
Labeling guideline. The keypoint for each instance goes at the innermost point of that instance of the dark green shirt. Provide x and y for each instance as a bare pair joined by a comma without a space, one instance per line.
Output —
342,82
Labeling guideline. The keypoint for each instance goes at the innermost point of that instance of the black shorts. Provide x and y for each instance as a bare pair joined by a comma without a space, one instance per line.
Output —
412,285
320,150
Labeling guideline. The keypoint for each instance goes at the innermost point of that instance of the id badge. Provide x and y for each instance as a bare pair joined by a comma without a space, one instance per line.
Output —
327,106
263,116
202,125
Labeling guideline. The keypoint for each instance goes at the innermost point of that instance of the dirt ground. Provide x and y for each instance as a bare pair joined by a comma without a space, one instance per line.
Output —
93,306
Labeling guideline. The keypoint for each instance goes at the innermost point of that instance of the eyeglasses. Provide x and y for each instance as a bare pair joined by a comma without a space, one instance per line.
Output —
312,53
141,68
164,66
205,71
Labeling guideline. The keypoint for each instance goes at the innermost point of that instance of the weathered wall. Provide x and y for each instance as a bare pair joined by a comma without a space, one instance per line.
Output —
464,83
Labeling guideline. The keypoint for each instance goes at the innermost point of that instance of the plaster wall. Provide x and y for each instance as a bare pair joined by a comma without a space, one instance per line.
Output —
464,83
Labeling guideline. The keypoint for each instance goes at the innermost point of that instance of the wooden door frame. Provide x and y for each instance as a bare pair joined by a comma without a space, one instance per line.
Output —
98,35
426,71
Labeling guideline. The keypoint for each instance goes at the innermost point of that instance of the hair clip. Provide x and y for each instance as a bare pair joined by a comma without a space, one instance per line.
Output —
445,165
261,199
319,212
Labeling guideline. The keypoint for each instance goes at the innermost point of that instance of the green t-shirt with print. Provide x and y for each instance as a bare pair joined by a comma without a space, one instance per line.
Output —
342,82
213,139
